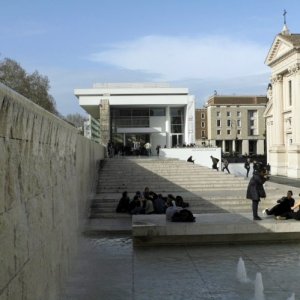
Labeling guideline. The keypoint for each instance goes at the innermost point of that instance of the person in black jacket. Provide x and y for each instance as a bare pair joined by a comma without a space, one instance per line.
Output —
247,165
284,206
214,162
123,205
256,190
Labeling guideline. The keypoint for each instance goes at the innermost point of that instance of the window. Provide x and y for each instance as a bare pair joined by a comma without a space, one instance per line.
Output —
228,114
228,131
203,124
252,113
218,123
238,131
218,114
239,123
177,120
218,132
228,123
251,131
157,112
251,122
290,92
202,116
203,133
238,113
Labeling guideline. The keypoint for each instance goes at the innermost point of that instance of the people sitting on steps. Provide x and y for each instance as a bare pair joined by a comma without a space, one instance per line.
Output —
149,202
284,205
123,205
293,214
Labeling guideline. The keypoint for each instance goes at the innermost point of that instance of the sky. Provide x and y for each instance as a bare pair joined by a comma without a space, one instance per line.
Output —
203,45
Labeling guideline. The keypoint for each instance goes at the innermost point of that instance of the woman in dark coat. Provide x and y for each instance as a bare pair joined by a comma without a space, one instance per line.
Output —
256,190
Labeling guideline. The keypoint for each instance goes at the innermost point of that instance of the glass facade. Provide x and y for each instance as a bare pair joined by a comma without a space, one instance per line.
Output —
177,119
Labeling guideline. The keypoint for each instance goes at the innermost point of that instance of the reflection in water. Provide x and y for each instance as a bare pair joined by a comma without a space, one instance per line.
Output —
111,268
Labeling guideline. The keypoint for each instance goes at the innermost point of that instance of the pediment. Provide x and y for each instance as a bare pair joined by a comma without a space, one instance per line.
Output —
278,49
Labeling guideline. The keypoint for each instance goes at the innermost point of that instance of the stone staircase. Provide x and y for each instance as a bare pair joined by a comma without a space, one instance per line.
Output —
206,190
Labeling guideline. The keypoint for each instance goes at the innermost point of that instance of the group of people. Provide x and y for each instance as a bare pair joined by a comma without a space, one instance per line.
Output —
285,208
148,202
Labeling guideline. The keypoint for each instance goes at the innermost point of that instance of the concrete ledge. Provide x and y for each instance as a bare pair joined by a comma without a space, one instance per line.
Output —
221,228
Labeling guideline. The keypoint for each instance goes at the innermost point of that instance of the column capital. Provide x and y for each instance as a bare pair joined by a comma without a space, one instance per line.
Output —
276,79
294,69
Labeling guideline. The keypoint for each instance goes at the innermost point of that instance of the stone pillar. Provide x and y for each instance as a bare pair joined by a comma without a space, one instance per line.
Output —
245,147
168,127
278,133
233,145
277,153
104,122
295,72
260,147
293,157
223,146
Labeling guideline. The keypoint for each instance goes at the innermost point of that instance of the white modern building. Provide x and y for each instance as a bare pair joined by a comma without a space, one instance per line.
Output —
282,112
91,129
133,113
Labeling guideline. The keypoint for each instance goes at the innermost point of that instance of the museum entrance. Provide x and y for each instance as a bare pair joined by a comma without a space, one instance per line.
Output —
176,140
134,143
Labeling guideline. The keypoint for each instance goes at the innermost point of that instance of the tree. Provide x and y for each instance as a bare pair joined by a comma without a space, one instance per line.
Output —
76,119
33,86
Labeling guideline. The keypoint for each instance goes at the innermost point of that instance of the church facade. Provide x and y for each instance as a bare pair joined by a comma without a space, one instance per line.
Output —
283,108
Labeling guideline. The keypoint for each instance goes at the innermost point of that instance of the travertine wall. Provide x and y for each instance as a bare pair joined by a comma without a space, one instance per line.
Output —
47,172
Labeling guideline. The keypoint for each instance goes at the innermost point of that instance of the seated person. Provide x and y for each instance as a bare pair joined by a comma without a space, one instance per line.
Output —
171,209
123,206
294,214
159,204
136,205
179,202
190,159
284,206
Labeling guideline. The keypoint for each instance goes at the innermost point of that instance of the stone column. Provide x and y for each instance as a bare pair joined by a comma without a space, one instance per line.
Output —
104,121
278,133
295,72
260,147
277,153
233,145
245,147
293,158
223,146
168,127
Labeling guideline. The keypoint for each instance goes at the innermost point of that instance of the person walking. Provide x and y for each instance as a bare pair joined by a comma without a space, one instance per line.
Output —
256,190
225,165
157,150
247,166
214,163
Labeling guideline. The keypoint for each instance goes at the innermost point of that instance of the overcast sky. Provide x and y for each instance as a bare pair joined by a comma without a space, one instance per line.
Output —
204,45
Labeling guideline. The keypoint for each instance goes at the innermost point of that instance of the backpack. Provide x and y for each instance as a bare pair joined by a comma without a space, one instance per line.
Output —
183,215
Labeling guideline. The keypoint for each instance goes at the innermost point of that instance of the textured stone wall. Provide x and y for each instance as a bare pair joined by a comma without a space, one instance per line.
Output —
47,172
